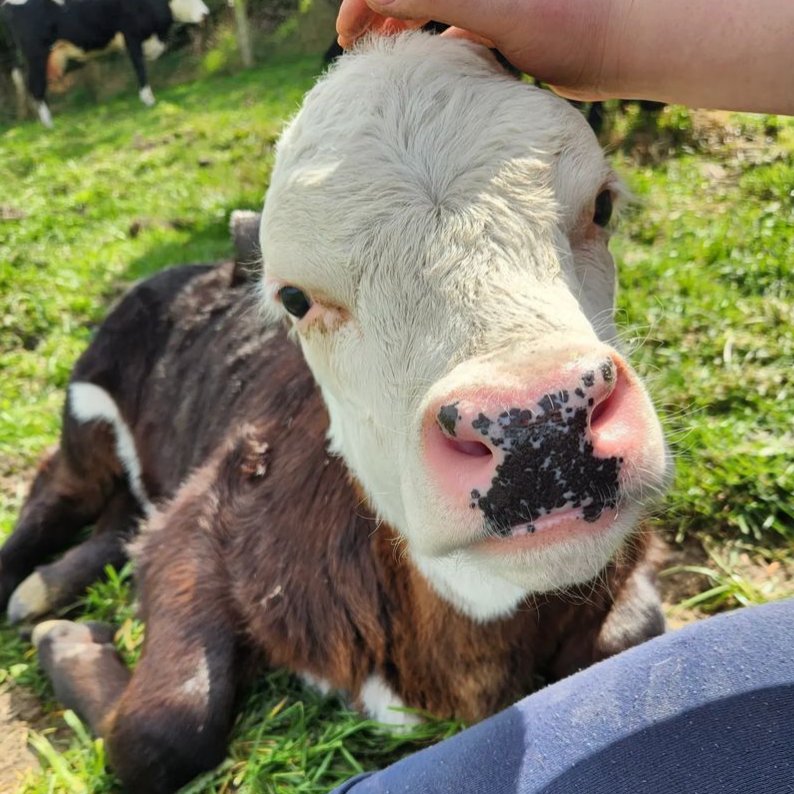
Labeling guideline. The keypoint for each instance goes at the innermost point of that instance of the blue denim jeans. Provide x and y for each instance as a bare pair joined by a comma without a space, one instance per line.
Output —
708,709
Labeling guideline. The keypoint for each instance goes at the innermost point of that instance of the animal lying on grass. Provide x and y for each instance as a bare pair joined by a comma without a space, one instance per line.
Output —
425,493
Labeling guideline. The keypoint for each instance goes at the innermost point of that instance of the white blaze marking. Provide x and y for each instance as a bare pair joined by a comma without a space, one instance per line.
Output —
197,687
90,403
146,96
380,703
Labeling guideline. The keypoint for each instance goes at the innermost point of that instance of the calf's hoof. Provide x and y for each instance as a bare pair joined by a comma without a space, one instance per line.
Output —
146,96
45,117
81,662
30,600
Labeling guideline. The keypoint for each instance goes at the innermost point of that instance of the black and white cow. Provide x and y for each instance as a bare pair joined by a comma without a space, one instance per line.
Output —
90,25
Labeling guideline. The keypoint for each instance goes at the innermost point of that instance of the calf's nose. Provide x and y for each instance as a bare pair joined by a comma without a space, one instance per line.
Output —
519,454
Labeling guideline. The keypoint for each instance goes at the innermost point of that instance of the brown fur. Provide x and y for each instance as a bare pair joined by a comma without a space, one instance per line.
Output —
263,553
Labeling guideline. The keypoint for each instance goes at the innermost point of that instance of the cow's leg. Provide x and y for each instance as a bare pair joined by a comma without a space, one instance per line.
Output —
70,491
170,721
173,720
37,84
60,583
135,51
18,78
86,672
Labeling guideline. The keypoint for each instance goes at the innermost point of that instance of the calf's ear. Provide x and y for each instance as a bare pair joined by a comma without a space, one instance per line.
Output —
244,229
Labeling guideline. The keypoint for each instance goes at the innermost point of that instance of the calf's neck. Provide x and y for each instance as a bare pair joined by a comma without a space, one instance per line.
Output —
407,464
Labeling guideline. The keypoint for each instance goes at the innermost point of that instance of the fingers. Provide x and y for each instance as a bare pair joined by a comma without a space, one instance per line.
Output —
475,20
356,18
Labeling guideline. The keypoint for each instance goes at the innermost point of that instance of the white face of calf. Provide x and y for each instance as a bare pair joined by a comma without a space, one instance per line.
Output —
436,232
189,12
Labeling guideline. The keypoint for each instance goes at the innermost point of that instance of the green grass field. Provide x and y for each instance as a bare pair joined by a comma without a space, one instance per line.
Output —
117,192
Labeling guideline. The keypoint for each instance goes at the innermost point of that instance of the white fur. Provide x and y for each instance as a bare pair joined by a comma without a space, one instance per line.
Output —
45,117
153,48
91,403
382,704
146,96
318,684
18,78
480,594
444,211
188,11
196,688
29,600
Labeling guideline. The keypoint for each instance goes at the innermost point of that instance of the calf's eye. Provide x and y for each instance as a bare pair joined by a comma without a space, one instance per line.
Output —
603,208
295,301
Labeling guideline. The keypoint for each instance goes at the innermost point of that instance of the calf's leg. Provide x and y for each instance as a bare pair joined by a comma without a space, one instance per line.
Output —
86,673
168,721
71,489
60,583
171,720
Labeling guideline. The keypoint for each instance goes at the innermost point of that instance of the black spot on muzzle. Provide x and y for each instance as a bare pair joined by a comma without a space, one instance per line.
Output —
549,463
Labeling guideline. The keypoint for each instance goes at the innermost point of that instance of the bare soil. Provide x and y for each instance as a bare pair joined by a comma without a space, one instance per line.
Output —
19,711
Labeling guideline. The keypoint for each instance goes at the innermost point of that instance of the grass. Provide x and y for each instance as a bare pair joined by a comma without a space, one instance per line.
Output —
117,192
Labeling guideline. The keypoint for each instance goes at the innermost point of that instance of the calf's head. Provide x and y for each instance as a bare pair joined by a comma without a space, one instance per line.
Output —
436,232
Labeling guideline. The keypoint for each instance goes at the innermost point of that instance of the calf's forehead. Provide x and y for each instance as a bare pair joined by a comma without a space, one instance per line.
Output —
418,143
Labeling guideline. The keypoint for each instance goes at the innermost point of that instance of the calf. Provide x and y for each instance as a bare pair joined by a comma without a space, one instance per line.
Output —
409,467
90,25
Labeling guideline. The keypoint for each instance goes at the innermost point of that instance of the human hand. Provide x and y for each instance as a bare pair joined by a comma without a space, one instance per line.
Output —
519,30
735,56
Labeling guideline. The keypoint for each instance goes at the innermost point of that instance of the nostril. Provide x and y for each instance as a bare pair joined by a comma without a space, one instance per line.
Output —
597,416
606,415
474,449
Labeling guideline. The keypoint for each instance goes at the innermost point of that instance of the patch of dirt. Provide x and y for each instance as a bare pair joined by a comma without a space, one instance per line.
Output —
677,587
9,213
769,579
19,710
